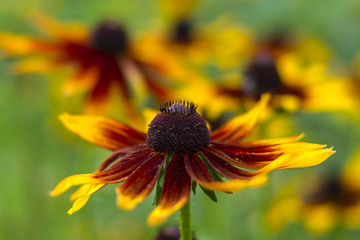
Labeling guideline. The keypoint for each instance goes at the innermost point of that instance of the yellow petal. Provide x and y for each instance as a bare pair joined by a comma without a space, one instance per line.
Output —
240,126
80,82
73,180
127,202
71,31
351,172
161,213
15,44
105,132
80,202
35,65
235,185
320,219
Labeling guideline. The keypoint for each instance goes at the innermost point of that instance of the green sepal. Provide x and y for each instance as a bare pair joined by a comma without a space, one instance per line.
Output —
193,186
160,181
210,193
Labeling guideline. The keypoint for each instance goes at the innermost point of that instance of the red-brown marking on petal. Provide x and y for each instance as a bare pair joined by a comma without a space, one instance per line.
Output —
252,165
176,191
120,153
124,167
226,169
196,168
257,155
105,132
141,182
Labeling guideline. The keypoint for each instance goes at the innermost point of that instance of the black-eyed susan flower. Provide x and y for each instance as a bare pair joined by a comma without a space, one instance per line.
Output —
185,43
102,60
295,83
322,205
179,149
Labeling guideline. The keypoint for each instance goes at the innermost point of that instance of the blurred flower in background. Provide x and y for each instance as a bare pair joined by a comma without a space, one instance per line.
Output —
102,60
298,76
322,203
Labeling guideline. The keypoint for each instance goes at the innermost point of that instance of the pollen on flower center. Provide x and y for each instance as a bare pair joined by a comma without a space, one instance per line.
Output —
109,37
178,128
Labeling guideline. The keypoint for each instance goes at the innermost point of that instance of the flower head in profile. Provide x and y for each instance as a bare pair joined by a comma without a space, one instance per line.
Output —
329,202
179,149
102,60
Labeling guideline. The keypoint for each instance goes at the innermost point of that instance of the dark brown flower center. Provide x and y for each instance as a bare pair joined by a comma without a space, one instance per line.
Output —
182,32
178,128
261,76
109,37
332,190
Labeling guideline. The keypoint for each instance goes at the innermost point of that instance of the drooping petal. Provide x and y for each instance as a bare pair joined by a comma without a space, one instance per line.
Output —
239,127
176,191
82,200
140,183
133,150
226,169
196,169
73,180
105,132
123,167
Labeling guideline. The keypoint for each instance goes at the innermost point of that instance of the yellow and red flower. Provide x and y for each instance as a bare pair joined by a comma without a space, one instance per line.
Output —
179,144
102,59
296,78
325,204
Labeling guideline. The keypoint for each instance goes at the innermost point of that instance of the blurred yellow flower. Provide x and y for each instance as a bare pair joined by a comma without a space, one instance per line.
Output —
102,60
325,204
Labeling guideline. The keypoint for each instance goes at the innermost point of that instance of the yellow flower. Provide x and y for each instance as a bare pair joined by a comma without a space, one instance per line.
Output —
102,60
179,149
329,202
295,83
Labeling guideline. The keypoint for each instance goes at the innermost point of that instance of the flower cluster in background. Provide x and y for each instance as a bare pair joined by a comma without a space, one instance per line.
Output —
207,98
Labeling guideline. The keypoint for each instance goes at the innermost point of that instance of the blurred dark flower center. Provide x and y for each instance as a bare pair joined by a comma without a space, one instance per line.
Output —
109,37
178,128
333,191
182,32
261,76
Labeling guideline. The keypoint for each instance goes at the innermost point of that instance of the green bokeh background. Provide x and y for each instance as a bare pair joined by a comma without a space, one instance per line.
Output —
37,151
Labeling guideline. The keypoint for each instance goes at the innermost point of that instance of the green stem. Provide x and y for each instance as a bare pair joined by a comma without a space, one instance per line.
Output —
185,222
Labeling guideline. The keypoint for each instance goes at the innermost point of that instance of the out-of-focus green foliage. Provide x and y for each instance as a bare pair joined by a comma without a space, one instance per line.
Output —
36,151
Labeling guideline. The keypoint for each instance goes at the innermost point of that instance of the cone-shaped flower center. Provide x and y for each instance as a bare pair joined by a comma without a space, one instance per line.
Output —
261,76
109,37
178,128
182,32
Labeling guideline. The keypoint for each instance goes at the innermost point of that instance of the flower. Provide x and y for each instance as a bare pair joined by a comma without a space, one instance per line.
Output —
179,144
297,79
103,60
185,45
327,202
